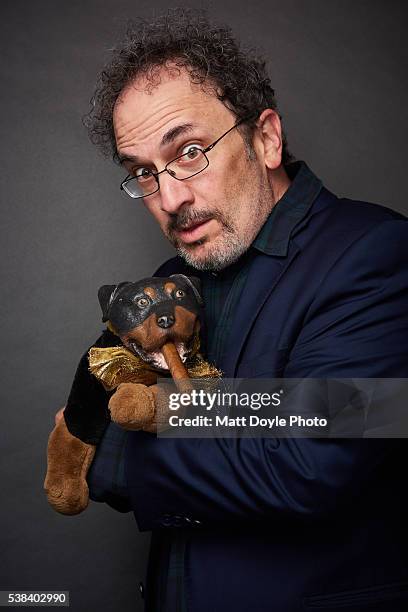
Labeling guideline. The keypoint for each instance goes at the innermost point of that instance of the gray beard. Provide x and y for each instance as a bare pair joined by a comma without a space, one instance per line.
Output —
230,246
221,257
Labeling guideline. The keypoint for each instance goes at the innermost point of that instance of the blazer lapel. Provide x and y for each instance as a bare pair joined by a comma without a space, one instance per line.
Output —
263,276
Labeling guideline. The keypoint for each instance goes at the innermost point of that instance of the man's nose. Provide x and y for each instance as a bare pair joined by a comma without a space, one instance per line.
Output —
174,194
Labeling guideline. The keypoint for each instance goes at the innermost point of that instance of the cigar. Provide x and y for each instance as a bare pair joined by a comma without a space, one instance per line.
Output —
177,368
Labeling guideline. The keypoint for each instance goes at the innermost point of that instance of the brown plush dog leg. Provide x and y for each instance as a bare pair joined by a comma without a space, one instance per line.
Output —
160,421
132,406
136,407
68,460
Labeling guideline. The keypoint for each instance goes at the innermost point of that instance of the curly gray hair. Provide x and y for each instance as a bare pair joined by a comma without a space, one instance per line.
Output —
209,53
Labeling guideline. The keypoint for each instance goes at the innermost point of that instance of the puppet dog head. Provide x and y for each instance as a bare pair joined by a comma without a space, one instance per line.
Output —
153,311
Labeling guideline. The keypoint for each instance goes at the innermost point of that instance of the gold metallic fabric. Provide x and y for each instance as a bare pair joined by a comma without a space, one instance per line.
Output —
116,364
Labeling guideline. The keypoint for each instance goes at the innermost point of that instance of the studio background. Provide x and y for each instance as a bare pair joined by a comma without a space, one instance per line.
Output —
339,69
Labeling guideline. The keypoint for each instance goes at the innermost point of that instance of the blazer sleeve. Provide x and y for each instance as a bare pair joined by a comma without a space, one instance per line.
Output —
106,477
356,326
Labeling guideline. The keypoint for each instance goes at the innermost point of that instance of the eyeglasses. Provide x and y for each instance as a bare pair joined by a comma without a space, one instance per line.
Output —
181,168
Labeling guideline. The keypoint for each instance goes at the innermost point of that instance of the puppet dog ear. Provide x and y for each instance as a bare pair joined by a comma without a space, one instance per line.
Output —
106,295
195,285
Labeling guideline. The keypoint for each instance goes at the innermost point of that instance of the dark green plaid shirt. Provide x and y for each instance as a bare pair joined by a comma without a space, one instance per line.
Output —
221,292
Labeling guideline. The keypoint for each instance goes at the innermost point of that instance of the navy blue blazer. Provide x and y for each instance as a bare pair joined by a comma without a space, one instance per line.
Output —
293,525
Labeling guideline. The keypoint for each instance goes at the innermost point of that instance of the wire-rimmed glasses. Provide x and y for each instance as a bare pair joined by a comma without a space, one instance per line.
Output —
181,168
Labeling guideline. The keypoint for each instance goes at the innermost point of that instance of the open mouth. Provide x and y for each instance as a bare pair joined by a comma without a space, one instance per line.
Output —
156,358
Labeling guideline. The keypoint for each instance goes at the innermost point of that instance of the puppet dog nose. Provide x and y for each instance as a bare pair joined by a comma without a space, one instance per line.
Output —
165,321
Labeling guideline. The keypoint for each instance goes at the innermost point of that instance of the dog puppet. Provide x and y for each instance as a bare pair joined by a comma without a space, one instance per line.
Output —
152,332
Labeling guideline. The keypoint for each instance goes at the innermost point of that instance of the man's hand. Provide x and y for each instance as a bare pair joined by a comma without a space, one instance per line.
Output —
59,415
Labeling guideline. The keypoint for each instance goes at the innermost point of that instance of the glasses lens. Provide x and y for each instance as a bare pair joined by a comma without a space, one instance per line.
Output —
140,187
187,165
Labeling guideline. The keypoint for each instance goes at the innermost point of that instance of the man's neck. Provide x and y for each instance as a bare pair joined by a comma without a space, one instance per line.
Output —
280,182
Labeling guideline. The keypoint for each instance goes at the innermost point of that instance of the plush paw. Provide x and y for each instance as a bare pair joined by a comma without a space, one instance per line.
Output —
68,497
133,406
68,461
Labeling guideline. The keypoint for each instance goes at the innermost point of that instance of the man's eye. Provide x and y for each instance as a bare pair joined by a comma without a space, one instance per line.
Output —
143,174
191,151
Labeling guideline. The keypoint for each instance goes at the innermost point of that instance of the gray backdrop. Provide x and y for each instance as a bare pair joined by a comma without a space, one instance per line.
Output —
339,69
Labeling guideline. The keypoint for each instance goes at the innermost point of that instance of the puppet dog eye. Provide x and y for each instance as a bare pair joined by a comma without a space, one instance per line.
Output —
142,302
179,293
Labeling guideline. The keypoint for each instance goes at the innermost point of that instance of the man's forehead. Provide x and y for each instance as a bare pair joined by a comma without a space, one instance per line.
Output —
145,110
162,85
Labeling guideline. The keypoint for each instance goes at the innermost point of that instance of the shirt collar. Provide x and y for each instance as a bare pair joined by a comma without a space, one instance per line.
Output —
273,238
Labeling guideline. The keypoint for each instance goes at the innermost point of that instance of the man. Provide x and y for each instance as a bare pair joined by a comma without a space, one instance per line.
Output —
297,283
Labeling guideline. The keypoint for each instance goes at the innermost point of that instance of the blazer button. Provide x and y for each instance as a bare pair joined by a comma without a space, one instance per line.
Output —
167,520
177,521
141,589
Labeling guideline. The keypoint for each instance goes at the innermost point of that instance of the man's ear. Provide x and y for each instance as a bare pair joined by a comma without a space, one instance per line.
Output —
105,295
270,132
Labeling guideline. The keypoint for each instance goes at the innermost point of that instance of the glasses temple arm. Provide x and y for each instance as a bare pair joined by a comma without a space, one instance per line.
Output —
237,124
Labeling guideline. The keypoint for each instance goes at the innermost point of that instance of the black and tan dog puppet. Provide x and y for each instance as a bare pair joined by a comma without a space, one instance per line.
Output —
152,331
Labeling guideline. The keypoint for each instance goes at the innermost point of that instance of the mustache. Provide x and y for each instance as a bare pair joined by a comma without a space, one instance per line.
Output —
189,217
